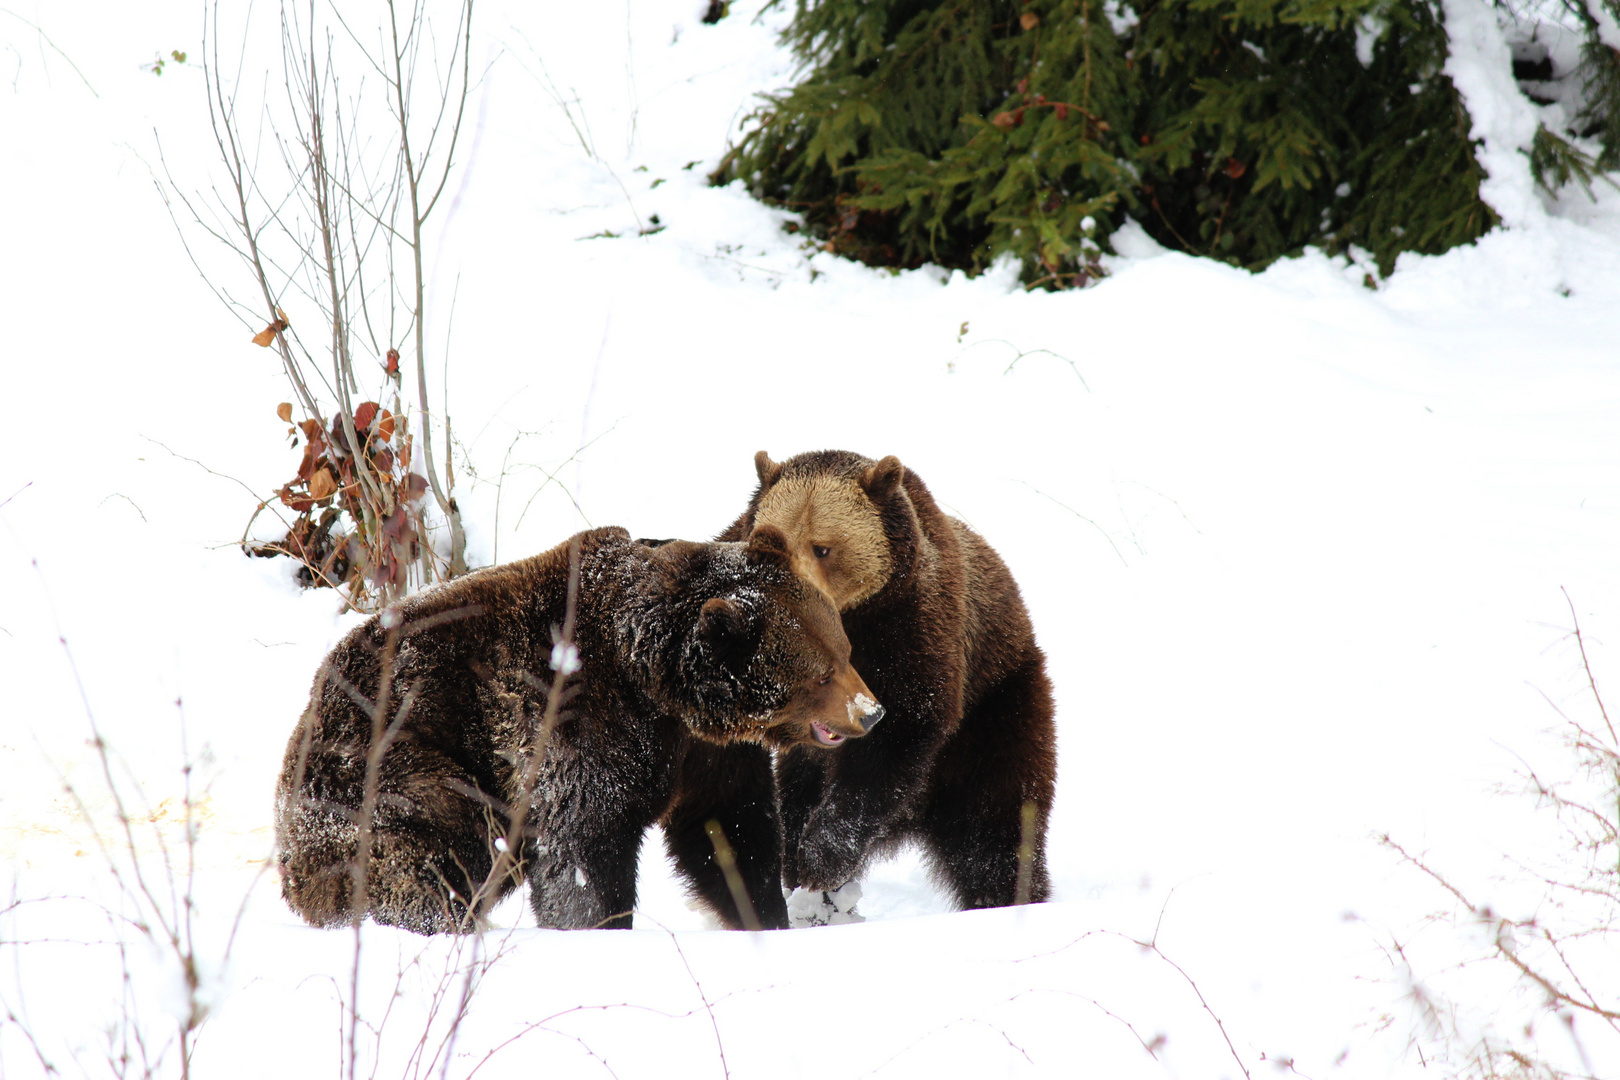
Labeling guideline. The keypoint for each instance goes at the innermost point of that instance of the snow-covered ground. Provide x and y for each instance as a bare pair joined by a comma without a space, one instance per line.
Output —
1297,551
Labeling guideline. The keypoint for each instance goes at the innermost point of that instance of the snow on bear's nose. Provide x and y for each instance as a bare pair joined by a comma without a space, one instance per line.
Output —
864,711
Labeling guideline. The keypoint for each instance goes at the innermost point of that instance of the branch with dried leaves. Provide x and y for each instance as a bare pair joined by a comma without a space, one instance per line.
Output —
331,222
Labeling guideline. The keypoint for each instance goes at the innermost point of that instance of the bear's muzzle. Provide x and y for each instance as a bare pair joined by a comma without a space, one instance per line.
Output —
865,712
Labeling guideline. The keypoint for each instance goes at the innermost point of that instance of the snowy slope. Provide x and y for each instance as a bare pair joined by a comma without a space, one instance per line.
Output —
1294,548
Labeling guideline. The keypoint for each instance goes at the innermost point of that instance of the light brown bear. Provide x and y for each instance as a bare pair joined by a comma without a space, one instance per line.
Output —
691,660
939,632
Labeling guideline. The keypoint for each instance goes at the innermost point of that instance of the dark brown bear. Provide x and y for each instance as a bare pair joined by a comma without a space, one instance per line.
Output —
692,659
942,637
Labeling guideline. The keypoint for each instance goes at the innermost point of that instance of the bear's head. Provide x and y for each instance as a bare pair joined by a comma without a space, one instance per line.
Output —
842,517
738,646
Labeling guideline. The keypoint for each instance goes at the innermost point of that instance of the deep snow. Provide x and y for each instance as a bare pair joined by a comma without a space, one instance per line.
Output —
1294,548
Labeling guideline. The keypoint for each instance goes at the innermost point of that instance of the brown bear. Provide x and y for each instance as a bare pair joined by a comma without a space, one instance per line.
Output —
941,635
692,659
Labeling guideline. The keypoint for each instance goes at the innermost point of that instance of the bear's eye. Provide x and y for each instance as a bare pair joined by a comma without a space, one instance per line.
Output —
825,679
821,552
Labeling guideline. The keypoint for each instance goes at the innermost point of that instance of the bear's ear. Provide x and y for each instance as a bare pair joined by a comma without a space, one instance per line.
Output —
768,542
881,479
767,469
720,621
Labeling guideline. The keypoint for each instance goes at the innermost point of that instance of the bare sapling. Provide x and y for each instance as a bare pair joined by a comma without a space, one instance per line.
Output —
330,227
148,848
1555,1009
158,896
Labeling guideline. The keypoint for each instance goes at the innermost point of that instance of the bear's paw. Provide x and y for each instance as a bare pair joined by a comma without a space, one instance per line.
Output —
824,907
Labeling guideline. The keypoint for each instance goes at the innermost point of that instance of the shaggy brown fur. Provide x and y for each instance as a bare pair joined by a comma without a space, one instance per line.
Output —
941,634
695,658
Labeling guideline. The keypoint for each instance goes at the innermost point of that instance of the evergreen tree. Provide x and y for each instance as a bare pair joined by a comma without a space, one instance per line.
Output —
956,131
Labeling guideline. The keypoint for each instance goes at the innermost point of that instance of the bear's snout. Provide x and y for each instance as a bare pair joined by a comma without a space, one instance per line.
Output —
832,710
865,712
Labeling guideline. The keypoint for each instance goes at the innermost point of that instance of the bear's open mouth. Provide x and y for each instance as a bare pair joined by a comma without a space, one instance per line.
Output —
825,735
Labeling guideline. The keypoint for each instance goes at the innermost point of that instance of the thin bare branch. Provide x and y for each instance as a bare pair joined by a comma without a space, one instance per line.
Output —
1586,664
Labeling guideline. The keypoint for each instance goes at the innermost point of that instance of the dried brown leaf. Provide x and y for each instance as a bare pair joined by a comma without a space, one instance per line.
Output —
264,337
321,484
299,503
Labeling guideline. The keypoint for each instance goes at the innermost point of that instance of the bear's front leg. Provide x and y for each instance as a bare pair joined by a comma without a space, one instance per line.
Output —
801,778
870,794
835,815
586,881
729,787
832,849
587,834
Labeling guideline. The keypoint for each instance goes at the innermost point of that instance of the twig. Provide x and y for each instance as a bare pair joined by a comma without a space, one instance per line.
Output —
727,860
16,493
1021,353
1500,942
708,1007
1082,517
200,465
33,1043
419,216
543,1025
1026,854
45,38
118,495
1586,664
551,477
1152,1048
880,1066
512,843
360,869
1152,947
164,916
